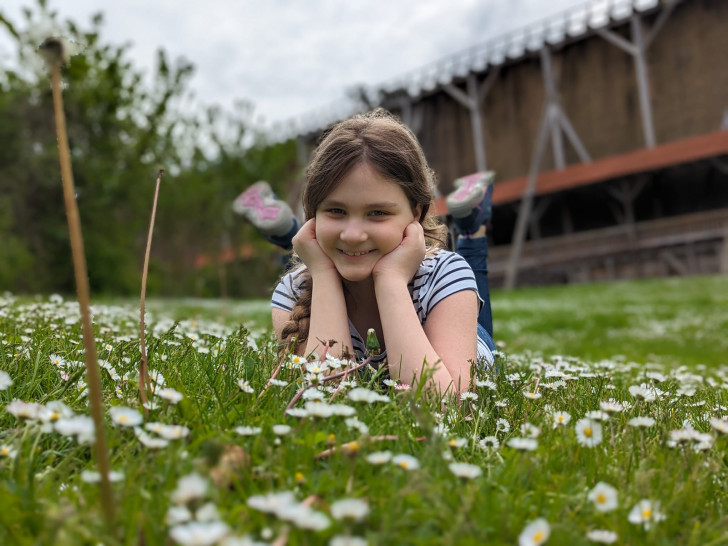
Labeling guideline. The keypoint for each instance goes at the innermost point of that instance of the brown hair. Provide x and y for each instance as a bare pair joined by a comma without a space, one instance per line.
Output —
382,142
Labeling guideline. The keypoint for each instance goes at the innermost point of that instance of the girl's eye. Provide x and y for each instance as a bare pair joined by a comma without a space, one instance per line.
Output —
336,211
378,213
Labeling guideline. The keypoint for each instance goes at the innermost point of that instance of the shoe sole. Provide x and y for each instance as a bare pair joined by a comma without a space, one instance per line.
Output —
261,208
470,192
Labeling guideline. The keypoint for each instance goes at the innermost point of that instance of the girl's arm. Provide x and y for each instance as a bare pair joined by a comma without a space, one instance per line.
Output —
448,341
329,319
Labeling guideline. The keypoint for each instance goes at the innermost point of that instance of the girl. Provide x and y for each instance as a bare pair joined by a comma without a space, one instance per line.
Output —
370,256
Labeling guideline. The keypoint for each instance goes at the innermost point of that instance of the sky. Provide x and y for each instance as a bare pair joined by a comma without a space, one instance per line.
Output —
290,58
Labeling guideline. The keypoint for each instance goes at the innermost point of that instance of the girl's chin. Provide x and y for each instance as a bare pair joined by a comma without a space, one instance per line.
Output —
354,274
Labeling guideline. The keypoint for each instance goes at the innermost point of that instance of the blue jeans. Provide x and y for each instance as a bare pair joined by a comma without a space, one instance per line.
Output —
475,252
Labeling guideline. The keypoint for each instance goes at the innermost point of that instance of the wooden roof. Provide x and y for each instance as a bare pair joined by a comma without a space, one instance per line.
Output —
608,168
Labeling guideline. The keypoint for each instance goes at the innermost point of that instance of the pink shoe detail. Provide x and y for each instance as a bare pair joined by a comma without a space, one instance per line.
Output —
467,187
255,202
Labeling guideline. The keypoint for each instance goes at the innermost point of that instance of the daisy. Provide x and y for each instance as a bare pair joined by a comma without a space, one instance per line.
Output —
489,443
126,417
646,512
80,426
176,515
245,386
379,457
532,395
604,497
602,536
360,394
248,431
150,441
588,432
189,487
561,418
720,425
611,406
281,430
297,412
502,425
468,396
465,470
355,509
644,422
199,533
5,380
271,503
524,444
91,476
7,452
486,383
535,533
170,395
457,442
278,382
530,431
408,462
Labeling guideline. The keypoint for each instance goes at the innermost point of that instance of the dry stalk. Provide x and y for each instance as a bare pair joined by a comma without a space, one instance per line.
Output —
52,48
145,385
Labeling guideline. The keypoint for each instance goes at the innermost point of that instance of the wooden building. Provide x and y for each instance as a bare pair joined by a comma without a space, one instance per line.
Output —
607,127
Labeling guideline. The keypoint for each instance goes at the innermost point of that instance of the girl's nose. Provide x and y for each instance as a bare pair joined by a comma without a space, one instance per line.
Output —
353,232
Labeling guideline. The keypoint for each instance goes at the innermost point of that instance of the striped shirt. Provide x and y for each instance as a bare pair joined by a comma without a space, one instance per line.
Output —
441,274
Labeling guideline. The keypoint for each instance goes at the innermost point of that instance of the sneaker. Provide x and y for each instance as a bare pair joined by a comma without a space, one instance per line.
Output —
471,204
470,192
260,206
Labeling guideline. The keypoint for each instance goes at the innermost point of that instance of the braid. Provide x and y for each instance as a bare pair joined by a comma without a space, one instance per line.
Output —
295,330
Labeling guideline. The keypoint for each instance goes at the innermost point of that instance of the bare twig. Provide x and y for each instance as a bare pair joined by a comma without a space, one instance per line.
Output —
52,48
327,378
144,382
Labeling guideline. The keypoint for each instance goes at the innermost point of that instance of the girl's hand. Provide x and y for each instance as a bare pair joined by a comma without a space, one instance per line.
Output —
308,249
402,262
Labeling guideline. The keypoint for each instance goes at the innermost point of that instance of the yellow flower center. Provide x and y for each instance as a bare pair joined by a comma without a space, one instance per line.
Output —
4,451
404,464
560,418
646,513
601,499
123,418
588,432
538,537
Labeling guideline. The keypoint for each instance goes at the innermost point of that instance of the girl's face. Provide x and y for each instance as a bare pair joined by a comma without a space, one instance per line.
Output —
363,219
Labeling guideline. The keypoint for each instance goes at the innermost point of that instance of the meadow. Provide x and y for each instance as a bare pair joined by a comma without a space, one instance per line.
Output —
604,421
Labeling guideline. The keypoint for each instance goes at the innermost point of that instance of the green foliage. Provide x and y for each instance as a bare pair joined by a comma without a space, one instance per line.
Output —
43,498
122,128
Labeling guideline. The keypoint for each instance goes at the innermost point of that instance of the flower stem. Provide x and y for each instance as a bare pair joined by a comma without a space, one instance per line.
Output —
82,288
144,382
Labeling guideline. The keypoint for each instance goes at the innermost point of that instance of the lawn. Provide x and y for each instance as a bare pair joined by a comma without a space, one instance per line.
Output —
604,421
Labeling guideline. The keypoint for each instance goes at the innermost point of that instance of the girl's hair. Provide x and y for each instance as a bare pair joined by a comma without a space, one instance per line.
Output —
382,142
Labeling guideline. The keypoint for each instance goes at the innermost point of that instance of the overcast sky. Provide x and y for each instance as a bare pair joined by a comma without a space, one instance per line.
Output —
289,57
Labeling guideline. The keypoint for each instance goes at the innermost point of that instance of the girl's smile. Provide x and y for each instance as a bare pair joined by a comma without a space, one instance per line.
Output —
363,219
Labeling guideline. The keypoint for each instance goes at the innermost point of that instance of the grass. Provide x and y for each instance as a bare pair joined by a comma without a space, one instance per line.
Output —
667,336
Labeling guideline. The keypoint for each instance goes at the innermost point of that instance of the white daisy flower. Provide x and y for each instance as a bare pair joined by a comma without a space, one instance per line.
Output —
406,461
602,536
561,418
530,431
8,452
189,487
379,457
281,430
248,431
465,470
92,476
270,503
468,396
354,509
604,497
177,514
170,395
644,422
532,395
646,512
5,380
360,394
524,444
588,432
245,386
535,533
489,443
126,417
347,540
199,533
297,412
